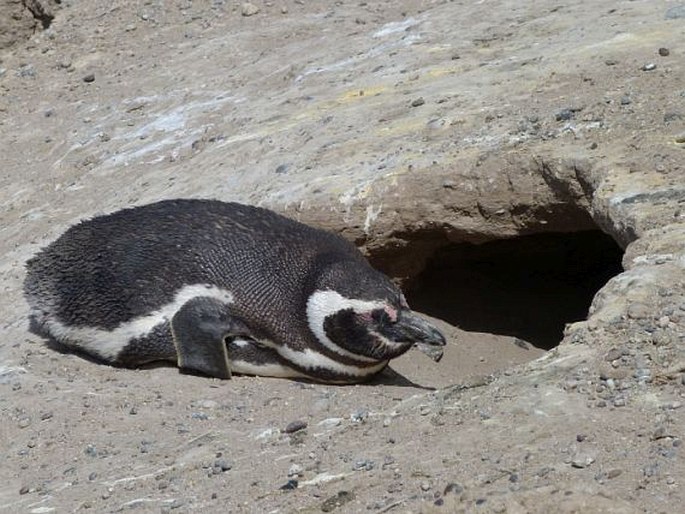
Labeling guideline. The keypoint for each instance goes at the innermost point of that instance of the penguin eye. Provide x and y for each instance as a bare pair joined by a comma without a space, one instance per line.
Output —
384,316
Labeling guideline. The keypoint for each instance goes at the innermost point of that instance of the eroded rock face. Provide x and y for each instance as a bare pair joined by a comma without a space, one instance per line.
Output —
22,18
405,127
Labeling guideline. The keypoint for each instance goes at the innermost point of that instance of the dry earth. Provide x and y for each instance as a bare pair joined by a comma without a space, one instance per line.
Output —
416,129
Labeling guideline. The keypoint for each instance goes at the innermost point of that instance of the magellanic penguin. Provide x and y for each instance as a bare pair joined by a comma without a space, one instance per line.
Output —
220,288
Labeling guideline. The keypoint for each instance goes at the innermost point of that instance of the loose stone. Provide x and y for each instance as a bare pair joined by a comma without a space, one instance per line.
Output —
295,470
614,473
582,461
295,426
290,485
248,9
336,501
564,115
453,488
638,311
363,465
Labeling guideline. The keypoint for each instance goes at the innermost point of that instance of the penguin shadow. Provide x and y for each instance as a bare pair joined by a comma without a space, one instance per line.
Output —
390,377
387,377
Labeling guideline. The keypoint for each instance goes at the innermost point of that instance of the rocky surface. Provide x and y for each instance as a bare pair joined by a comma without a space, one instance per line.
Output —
406,126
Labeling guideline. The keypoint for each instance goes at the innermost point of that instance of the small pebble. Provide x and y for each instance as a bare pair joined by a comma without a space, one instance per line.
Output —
614,473
295,470
295,426
659,433
89,78
650,66
24,422
582,461
417,102
223,464
675,12
340,499
248,9
625,100
25,489
363,465
564,115
664,52
613,354
453,488
290,485
360,415
638,311
330,422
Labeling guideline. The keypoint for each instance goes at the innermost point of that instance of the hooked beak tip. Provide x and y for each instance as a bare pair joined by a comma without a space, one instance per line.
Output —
421,331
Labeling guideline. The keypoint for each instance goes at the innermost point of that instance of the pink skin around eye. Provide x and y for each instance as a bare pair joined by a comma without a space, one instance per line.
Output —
392,313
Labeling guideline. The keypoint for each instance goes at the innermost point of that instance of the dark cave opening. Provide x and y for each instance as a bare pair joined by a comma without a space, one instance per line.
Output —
527,287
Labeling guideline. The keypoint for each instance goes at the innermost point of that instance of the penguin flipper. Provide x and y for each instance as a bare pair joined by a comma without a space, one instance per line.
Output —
200,329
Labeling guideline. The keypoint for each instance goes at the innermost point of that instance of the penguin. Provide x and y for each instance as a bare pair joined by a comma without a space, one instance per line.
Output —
220,288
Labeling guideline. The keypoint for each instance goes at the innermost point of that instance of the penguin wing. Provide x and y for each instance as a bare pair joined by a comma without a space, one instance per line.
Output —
201,329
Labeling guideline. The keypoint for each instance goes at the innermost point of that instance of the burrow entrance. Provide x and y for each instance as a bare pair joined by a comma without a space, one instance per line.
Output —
528,287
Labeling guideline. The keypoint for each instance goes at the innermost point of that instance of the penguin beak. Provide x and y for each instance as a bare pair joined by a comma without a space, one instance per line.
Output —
411,328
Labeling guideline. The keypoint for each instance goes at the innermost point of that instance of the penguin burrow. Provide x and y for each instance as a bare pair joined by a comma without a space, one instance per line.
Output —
221,288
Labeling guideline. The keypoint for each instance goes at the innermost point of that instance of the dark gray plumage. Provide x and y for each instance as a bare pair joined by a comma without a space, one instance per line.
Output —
220,287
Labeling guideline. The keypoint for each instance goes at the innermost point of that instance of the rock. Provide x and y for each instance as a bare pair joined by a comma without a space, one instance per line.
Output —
613,473
564,115
639,311
248,9
338,500
89,78
417,102
359,415
582,461
329,423
664,52
363,465
223,465
650,66
295,470
675,12
290,485
453,488
295,426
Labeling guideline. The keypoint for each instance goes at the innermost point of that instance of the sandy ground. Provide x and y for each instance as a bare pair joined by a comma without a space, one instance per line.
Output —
303,105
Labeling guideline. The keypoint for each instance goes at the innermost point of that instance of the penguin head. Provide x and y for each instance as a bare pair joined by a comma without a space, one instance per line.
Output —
358,312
